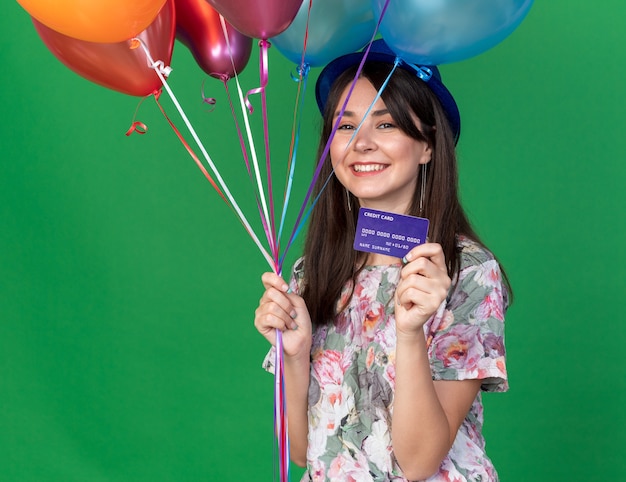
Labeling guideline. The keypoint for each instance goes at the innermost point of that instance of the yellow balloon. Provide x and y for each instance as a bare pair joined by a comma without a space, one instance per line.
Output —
105,21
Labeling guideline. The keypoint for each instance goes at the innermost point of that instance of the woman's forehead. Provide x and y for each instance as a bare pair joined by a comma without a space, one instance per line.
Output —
362,92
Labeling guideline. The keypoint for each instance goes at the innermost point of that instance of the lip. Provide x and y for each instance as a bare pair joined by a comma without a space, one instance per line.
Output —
368,168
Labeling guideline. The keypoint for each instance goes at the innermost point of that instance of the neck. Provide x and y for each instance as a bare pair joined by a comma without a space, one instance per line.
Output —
390,207
376,259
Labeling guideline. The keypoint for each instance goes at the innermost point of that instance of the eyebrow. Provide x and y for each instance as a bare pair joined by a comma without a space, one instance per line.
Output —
373,113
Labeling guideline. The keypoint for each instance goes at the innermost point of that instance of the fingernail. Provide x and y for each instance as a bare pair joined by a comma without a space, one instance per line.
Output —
294,326
289,290
406,258
293,314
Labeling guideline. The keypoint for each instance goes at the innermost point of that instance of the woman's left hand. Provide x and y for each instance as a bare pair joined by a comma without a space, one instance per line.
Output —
424,284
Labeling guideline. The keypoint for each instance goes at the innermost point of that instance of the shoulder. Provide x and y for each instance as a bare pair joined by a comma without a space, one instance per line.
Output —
472,252
476,262
297,276
297,272
479,274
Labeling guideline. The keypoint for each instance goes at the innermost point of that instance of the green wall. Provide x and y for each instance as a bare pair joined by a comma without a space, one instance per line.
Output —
127,287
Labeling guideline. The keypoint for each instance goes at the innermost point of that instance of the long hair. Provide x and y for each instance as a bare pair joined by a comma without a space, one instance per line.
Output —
330,260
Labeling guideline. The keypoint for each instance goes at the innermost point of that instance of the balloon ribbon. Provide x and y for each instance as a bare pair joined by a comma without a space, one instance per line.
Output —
161,72
280,411
301,213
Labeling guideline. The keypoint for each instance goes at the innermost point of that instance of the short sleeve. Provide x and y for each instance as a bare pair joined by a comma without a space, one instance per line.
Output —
270,360
466,339
295,284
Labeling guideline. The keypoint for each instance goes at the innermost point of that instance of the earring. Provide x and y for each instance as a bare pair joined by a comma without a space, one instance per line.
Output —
349,200
423,190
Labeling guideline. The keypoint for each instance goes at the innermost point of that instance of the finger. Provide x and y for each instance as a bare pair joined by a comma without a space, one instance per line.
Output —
297,302
281,303
272,280
420,266
414,299
273,295
420,290
419,282
408,295
424,268
433,251
270,316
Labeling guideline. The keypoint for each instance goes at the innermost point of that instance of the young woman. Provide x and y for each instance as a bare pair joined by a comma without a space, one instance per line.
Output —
385,358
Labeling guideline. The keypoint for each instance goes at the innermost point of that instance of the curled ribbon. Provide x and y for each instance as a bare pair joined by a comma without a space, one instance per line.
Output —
138,127
264,46
207,100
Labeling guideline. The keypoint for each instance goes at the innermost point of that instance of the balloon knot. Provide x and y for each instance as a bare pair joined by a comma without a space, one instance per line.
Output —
221,77
303,72
159,65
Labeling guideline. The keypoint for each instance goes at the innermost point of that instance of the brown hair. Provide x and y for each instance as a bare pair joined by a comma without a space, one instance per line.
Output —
329,258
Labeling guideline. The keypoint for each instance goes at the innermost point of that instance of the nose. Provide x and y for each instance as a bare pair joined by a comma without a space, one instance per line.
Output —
363,140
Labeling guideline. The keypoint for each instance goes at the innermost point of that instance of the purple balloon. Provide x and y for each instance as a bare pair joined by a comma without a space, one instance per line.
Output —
198,26
258,18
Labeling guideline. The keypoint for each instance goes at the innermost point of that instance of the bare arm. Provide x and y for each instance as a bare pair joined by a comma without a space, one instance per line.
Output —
426,414
287,312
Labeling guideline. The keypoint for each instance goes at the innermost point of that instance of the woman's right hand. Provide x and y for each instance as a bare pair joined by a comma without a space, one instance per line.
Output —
280,310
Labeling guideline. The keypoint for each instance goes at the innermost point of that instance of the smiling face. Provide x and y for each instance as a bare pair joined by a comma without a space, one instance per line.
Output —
380,164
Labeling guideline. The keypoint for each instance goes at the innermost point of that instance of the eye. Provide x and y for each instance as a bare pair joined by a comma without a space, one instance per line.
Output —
345,127
386,125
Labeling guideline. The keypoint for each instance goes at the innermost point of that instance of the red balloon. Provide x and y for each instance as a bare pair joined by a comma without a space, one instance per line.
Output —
117,66
198,26
258,18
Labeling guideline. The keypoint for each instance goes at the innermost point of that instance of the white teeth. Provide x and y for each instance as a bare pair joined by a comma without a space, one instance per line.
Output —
368,167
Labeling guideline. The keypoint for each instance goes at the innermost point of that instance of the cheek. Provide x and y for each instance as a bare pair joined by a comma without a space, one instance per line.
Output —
336,154
420,155
340,171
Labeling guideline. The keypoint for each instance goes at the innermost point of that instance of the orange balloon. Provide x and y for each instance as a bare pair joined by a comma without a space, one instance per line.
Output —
105,21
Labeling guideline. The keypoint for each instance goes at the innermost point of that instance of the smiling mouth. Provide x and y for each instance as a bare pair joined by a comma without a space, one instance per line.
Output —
368,167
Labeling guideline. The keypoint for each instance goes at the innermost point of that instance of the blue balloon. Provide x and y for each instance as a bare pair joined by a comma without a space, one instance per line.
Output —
436,32
336,27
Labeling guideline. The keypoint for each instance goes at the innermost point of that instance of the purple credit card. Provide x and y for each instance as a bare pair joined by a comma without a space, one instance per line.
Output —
389,233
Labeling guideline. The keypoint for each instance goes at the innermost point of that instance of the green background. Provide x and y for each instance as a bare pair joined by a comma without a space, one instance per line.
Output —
127,287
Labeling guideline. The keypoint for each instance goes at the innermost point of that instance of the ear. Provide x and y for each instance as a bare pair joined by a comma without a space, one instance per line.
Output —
428,151
427,154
